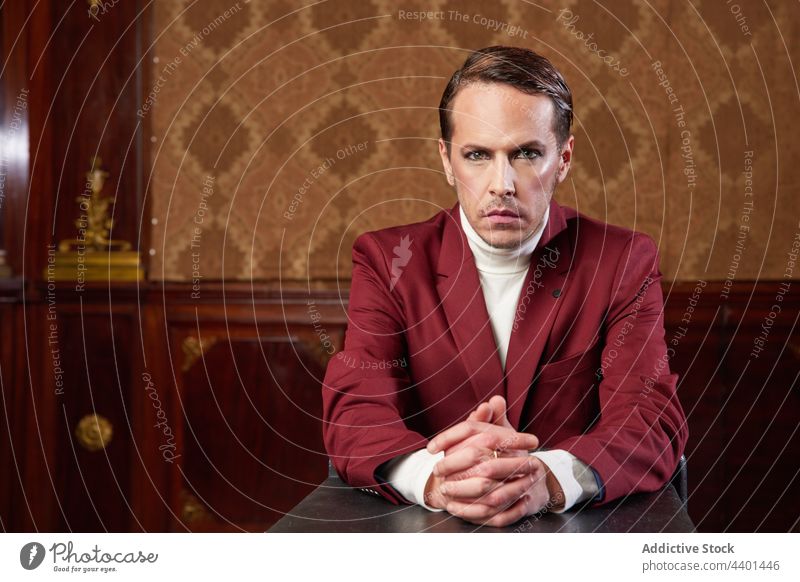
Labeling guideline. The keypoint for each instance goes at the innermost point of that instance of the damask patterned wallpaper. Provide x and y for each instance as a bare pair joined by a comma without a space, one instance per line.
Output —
280,132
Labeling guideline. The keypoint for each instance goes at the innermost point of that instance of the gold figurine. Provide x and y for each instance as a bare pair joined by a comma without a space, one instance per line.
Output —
94,224
92,255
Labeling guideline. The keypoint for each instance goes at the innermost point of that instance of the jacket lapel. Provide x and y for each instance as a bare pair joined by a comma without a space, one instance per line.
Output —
460,292
539,301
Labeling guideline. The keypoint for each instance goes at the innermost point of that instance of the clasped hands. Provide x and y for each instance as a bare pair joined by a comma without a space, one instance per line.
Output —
487,475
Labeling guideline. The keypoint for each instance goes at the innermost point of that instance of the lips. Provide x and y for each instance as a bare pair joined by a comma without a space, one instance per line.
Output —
509,213
500,216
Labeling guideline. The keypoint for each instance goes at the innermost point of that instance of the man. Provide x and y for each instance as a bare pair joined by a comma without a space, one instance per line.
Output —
506,356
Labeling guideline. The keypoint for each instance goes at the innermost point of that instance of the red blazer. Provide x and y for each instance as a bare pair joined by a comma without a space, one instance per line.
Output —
587,368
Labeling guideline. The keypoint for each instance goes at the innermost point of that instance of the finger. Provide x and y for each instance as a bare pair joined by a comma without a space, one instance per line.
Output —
480,448
481,414
511,515
471,489
535,499
455,434
509,439
473,512
501,438
461,461
505,447
493,492
488,505
499,414
504,468
492,444
509,492
481,440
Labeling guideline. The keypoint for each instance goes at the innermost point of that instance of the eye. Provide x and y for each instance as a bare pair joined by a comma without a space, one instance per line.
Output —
529,154
475,155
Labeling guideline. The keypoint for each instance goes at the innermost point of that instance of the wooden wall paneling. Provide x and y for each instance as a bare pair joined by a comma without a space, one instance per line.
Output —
16,96
154,409
763,419
15,106
34,230
252,439
95,112
77,362
8,484
251,403
219,397
742,410
42,408
15,99
86,82
12,443
96,342
701,392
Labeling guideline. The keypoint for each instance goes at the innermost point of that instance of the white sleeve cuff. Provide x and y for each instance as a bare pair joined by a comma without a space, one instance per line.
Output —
560,464
409,474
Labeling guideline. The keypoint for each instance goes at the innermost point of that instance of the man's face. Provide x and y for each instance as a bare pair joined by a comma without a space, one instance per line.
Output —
505,162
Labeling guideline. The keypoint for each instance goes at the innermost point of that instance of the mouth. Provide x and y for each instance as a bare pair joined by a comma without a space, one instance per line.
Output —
502,216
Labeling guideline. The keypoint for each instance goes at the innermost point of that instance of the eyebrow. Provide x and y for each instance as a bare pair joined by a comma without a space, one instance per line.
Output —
535,143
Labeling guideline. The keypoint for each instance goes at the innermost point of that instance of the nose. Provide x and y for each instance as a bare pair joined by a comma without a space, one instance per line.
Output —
502,183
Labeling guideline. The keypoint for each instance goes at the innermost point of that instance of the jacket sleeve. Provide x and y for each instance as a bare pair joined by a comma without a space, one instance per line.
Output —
641,432
364,386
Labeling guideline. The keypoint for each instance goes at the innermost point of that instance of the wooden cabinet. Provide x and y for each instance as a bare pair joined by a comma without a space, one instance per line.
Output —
248,394
150,416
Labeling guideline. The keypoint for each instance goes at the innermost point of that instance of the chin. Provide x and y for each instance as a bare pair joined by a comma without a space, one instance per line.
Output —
502,242
506,237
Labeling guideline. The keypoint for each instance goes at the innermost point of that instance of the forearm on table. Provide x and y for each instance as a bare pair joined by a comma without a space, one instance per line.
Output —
574,478
409,474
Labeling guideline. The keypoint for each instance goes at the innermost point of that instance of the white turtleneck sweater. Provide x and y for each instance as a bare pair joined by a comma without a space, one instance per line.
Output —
502,274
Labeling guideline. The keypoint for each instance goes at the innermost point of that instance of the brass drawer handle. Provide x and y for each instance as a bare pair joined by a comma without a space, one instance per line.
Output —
193,511
94,432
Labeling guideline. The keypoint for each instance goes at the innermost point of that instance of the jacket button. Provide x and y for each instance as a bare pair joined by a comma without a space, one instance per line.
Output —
556,293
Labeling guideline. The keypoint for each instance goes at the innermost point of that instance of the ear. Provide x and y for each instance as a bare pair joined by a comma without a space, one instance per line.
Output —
565,158
448,168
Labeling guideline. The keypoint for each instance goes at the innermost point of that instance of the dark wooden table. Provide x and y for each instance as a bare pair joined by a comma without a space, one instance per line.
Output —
336,507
